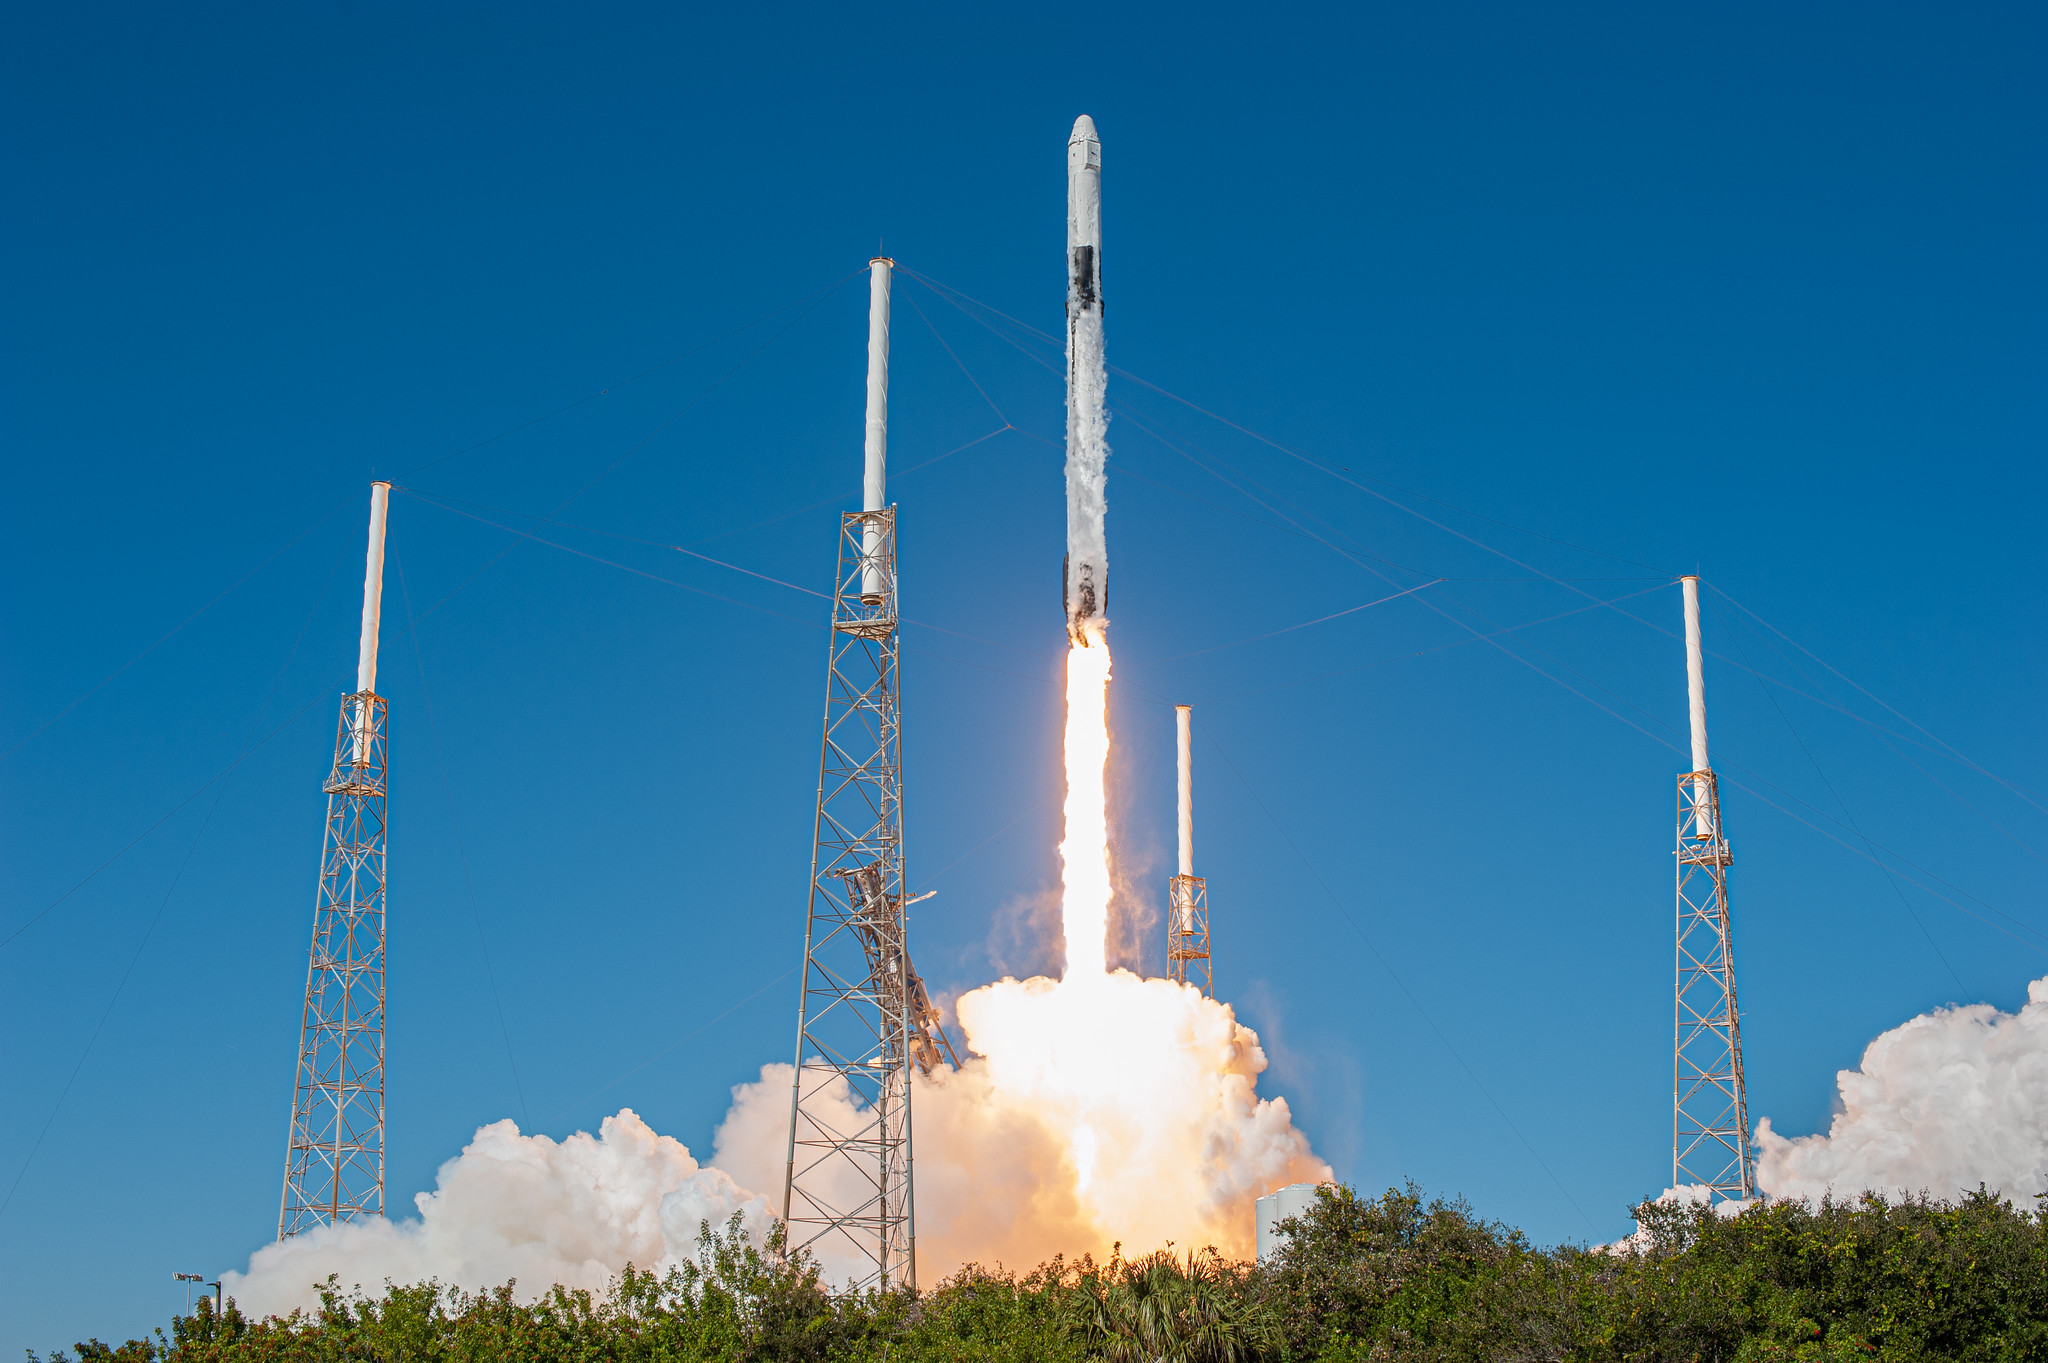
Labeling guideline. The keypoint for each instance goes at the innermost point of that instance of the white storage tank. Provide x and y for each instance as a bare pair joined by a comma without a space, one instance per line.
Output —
1293,1200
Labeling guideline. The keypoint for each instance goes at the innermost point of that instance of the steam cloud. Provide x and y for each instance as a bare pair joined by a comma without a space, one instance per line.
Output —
511,1206
1939,1104
1051,1140
1117,1108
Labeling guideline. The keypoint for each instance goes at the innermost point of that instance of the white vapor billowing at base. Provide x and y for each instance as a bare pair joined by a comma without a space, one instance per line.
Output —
510,1206
1122,1109
1941,1103
1119,1109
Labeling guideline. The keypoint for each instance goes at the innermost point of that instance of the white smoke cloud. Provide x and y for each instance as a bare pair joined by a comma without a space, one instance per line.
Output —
1119,1109
1149,1091
1110,1109
1939,1104
1642,1240
511,1206
993,1183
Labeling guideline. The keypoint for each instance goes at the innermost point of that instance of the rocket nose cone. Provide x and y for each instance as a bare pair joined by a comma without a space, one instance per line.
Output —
1084,131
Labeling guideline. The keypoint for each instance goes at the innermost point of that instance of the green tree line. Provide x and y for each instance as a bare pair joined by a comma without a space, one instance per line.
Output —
1397,1277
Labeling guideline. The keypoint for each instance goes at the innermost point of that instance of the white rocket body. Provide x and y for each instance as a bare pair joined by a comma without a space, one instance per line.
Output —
1085,574
875,482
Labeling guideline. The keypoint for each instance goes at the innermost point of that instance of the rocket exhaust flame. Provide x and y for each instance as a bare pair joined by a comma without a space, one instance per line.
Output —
1084,850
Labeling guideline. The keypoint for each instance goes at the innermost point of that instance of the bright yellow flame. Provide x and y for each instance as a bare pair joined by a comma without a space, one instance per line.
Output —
1084,851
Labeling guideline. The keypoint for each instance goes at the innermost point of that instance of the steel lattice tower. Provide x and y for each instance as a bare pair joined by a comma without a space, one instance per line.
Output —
1187,894
334,1159
863,1015
1709,1108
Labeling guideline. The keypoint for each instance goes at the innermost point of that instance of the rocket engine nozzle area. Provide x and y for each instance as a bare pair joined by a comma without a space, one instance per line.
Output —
1080,600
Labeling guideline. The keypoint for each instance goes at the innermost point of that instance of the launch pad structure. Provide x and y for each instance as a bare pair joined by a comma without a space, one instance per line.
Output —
1709,1106
867,1027
334,1155
864,1017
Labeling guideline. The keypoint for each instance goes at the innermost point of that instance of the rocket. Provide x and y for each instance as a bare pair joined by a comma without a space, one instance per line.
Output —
1084,576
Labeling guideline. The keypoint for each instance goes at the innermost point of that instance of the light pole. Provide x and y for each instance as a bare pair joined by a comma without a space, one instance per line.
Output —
188,1279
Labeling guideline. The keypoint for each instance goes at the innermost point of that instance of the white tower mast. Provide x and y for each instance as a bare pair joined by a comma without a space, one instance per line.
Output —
334,1156
863,1015
1696,697
1187,915
1709,1108
875,478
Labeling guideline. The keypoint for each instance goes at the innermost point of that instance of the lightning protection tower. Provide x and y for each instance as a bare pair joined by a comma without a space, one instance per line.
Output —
1709,1110
334,1158
863,1015
1187,914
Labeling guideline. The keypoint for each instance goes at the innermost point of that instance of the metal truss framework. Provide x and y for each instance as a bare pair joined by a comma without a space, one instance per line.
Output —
334,1162
863,1015
1709,1109
1187,933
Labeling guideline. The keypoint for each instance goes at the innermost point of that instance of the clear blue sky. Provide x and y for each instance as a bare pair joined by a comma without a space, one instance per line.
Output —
1754,292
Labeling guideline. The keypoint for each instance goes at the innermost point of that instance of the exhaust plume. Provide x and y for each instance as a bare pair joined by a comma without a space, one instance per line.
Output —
1084,850
1940,1103
573,1212
1125,1112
